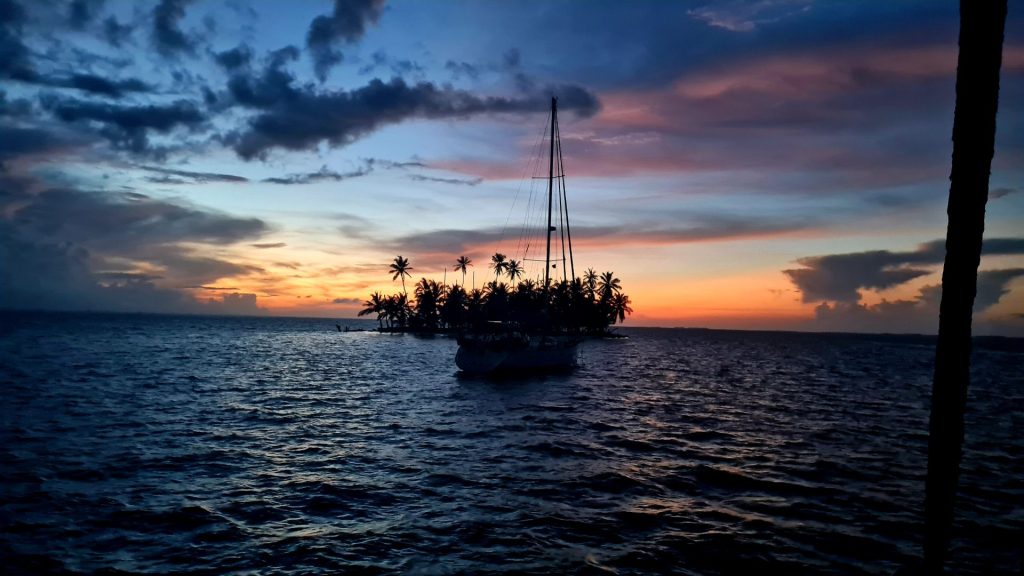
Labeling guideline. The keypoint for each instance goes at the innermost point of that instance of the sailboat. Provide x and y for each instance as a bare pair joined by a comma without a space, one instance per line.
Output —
521,344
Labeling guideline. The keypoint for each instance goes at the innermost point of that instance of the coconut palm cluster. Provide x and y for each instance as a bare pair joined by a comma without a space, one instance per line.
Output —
588,305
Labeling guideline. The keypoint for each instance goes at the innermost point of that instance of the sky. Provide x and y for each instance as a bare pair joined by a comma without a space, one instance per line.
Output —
765,164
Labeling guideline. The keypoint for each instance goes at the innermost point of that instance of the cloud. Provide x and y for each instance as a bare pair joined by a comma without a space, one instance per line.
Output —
127,127
992,286
168,37
997,193
346,24
266,245
320,175
193,177
457,181
115,33
103,86
920,315
302,118
840,277
235,58
19,142
683,229
399,67
14,55
82,12
737,16
347,301
66,248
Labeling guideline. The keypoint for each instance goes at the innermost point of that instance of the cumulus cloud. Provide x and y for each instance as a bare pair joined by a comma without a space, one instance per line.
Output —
127,127
920,315
68,248
235,58
840,277
300,118
168,38
346,24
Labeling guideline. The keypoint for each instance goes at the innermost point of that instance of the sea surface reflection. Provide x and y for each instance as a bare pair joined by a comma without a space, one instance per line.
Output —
150,444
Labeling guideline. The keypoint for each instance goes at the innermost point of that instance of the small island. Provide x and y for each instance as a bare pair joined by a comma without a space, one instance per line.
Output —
589,306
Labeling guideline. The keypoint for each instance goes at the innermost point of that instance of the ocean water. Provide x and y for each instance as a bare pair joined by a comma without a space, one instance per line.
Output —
162,444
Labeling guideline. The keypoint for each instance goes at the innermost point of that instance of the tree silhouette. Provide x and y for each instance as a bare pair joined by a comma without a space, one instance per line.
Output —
974,129
609,285
514,270
375,305
400,269
590,279
498,264
461,265
620,307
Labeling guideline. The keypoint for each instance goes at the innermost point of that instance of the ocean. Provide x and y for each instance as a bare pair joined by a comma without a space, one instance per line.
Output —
208,445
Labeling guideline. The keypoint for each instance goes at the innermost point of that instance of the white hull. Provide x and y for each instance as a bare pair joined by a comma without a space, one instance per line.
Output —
542,353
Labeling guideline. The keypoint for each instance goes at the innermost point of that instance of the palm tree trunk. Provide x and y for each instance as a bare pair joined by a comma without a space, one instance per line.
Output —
974,128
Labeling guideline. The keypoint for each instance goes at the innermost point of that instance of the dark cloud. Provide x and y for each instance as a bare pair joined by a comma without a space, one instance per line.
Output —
16,142
194,177
100,85
15,57
840,277
124,222
992,285
320,175
301,118
920,315
346,24
273,85
81,13
1000,192
67,248
400,67
458,181
115,33
127,127
390,164
265,245
460,69
347,301
17,107
168,38
235,58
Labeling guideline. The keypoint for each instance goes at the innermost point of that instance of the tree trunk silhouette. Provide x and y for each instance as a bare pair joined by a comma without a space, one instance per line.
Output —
974,128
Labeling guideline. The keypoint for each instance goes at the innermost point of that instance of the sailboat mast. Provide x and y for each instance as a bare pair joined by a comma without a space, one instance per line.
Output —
551,181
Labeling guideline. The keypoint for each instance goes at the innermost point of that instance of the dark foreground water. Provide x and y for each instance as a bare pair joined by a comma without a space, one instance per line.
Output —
145,444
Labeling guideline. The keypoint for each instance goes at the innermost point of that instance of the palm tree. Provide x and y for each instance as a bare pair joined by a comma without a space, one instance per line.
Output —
620,307
462,264
590,278
609,285
982,26
498,264
400,269
514,270
375,305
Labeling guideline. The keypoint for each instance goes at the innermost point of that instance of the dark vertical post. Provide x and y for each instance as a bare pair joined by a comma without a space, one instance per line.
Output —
551,180
565,203
974,128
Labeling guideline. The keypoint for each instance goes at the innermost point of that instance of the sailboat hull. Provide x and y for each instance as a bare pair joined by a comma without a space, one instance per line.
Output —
540,354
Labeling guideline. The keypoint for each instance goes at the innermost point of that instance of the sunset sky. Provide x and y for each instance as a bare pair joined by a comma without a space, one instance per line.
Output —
773,164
